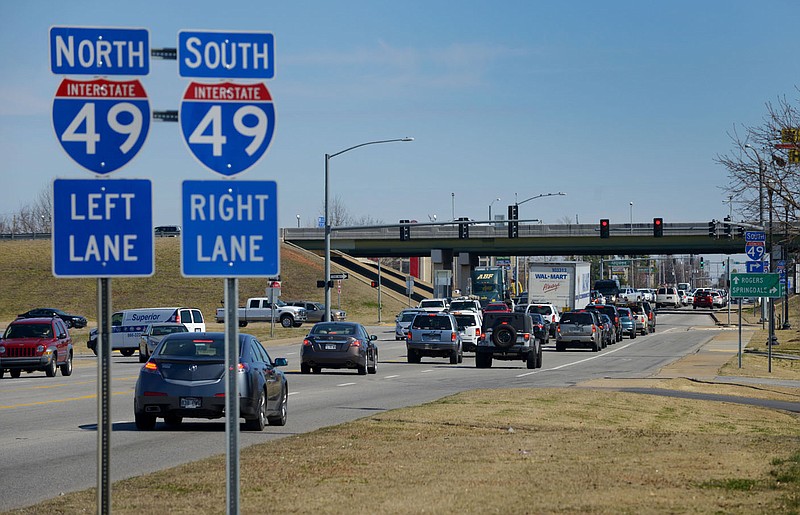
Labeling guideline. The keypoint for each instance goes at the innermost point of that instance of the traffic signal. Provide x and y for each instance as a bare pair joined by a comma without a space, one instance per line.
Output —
658,227
727,227
374,284
701,262
605,229
513,229
712,229
405,230
463,229
513,225
740,232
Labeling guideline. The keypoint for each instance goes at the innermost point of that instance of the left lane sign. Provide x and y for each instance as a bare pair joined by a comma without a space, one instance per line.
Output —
101,124
103,228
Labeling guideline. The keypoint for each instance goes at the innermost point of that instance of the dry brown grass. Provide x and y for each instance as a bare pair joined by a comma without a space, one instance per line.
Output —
509,451
26,281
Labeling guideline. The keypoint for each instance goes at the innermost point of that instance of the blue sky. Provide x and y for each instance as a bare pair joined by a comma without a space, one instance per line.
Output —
609,102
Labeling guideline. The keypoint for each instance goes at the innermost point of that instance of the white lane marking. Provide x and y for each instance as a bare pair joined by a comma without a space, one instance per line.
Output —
293,393
391,377
290,353
565,365
346,384
425,371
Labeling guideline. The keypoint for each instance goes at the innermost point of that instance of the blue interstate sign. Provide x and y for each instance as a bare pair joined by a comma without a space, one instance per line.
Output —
230,229
227,126
99,51
226,55
103,228
101,124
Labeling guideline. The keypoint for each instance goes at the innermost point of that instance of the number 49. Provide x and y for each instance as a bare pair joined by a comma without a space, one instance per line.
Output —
86,117
216,139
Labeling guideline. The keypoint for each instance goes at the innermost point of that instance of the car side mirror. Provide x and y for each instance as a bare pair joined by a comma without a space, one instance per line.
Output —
373,337
280,362
62,336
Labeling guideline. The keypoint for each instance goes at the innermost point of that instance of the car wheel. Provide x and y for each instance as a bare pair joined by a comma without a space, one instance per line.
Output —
280,418
362,370
127,352
483,360
52,366
596,346
242,323
173,420
530,360
66,368
259,422
305,368
374,368
2,372
454,357
460,355
144,421
539,358
16,372
413,356
287,321
633,335
142,356
316,370
560,347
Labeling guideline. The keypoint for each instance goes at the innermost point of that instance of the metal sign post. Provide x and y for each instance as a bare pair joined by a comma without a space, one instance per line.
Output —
740,333
232,392
104,396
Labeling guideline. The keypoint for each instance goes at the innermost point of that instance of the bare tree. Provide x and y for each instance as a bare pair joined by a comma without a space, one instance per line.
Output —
755,165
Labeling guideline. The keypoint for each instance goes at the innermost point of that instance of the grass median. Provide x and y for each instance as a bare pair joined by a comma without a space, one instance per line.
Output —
500,451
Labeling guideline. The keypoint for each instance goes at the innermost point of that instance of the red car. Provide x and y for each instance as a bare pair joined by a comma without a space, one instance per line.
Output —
497,307
32,344
703,299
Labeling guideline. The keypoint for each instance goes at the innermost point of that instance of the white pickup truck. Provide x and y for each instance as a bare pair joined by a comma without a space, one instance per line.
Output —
258,310
630,296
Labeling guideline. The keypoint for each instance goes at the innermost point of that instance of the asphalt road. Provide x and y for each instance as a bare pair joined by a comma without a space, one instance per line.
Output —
48,425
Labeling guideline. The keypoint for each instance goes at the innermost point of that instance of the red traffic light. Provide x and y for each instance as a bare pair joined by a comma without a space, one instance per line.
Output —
658,227
374,284
604,228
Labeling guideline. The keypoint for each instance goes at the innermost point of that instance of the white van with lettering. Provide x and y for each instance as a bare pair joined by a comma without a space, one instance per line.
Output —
127,326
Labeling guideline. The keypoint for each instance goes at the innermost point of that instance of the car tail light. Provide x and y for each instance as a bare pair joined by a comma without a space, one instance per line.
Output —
222,394
478,332
150,367
408,335
650,316
453,337
178,318
526,336
155,394
354,342
306,342
594,329
243,367
558,328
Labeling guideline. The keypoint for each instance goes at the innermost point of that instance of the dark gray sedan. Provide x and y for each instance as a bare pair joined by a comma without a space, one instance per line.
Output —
339,345
185,378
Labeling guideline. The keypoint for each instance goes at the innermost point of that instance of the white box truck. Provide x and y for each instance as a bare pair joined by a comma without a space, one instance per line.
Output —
566,285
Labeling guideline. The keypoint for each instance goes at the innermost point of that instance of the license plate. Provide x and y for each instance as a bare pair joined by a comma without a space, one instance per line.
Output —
190,402
330,346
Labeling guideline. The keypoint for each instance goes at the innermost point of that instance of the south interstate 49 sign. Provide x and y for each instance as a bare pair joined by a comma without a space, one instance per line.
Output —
227,126
101,124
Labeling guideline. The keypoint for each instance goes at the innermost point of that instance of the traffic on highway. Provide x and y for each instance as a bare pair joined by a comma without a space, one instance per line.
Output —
52,422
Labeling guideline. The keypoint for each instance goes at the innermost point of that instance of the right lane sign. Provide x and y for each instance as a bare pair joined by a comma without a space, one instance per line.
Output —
755,285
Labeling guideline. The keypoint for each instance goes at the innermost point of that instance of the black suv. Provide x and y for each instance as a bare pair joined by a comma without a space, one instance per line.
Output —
613,314
508,336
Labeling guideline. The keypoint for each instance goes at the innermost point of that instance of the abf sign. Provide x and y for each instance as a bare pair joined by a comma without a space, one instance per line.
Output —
230,229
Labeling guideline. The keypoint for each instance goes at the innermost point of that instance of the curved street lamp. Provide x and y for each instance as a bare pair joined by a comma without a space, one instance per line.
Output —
540,196
327,217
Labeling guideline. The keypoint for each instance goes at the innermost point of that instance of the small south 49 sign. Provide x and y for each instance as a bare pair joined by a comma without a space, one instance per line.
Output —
101,124
227,126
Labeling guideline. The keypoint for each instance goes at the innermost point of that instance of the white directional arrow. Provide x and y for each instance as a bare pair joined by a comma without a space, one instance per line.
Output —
735,280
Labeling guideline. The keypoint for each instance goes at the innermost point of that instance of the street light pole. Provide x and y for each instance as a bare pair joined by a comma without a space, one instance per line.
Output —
327,217
631,204
490,207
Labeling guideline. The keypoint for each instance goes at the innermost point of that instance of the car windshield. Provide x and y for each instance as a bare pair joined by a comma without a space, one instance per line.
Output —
431,322
542,310
29,331
407,317
461,304
161,330
343,329
182,348
577,318
465,320
431,304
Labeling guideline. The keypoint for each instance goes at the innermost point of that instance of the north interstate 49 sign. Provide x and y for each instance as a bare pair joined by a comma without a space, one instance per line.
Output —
227,126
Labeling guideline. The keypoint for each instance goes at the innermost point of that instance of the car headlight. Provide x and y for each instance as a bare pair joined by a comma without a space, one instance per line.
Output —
2,349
